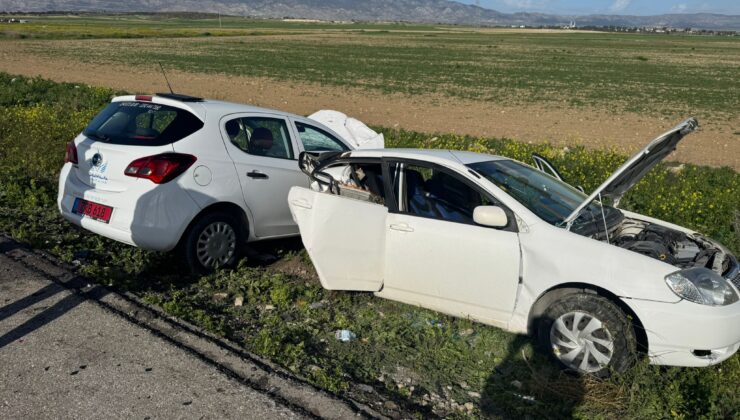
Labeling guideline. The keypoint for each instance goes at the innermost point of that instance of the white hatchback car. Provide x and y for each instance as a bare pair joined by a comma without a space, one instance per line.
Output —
502,243
167,170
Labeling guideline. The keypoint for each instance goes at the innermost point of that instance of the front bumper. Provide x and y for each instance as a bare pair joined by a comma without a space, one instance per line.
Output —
687,333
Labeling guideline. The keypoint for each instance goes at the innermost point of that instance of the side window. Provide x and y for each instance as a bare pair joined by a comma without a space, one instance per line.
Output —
427,191
315,139
357,180
260,136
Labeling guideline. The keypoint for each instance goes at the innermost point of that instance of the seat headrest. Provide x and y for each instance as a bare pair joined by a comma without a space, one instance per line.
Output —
262,138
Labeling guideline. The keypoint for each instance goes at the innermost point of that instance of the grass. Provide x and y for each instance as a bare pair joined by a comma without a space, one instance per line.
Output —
427,363
176,25
662,75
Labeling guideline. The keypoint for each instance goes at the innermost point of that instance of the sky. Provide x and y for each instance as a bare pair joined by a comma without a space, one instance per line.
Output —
620,7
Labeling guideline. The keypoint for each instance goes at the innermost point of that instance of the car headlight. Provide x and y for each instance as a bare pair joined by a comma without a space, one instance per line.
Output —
702,285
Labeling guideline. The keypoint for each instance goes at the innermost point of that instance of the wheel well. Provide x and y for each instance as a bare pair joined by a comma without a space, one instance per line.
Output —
550,296
225,207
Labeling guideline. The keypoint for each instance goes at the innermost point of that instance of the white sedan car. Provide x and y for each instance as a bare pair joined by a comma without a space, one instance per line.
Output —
167,170
500,242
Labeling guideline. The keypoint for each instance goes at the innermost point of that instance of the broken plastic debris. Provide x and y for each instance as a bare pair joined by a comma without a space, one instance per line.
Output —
527,398
466,332
317,305
345,336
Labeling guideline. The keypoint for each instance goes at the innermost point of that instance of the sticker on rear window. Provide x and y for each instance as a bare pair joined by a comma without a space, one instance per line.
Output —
144,105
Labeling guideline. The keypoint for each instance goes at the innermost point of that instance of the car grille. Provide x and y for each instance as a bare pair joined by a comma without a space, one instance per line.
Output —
734,266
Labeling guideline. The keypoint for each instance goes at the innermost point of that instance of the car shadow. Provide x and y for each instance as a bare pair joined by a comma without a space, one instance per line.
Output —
529,384
39,320
34,301
265,253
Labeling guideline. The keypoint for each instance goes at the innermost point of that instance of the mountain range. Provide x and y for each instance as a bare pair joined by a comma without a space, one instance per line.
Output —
429,11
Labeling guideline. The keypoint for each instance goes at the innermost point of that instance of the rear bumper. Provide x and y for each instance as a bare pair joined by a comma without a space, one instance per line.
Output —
147,215
689,334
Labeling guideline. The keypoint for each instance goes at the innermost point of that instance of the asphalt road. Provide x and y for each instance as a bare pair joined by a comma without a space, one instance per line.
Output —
63,355
71,348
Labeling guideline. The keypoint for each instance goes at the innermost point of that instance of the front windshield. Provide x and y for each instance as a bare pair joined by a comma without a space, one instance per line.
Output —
550,199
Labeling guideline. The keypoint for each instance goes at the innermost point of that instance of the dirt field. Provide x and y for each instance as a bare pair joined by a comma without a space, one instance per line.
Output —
716,144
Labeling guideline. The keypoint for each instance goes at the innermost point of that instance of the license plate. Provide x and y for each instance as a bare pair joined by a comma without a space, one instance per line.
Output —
92,210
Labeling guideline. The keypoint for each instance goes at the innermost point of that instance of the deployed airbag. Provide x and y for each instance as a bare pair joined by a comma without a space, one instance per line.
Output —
352,130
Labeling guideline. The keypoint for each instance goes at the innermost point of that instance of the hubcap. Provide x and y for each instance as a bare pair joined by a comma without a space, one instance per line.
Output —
581,341
216,244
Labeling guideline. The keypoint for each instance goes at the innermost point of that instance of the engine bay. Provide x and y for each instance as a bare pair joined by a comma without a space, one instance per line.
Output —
670,246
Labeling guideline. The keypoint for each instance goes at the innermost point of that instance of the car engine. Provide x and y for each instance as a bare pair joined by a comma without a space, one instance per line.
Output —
671,246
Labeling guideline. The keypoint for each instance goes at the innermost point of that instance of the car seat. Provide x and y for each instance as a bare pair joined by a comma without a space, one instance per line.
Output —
417,197
261,141
450,198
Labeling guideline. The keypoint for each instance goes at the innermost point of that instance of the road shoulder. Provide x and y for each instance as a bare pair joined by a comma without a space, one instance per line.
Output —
80,350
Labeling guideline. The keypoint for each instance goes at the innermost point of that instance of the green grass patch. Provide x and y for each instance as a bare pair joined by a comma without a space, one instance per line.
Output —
428,363
174,25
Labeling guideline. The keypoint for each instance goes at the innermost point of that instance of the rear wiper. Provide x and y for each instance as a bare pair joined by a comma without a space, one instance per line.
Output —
101,137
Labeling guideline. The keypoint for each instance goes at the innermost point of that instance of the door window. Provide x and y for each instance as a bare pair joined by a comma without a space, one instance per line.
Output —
260,136
357,180
315,139
430,192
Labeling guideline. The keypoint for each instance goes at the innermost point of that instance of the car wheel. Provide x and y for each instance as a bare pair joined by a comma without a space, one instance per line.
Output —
588,334
213,242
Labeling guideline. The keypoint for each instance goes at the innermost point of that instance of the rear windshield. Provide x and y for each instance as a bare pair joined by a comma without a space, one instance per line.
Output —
142,124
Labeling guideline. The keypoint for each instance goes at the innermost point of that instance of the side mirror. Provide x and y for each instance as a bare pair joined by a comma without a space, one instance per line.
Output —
492,216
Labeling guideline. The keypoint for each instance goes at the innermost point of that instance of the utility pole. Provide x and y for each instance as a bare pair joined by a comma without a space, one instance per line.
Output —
219,20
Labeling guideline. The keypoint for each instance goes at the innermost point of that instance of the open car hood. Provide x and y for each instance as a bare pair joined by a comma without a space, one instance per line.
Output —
632,171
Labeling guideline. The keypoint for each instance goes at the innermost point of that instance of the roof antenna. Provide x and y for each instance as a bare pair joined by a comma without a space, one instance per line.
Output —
165,77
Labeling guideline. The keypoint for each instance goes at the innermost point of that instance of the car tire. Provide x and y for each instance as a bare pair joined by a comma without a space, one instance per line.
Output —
212,242
587,334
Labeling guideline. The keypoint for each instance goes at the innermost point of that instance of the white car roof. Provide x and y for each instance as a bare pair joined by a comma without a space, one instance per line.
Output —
209,106
225,108
441,156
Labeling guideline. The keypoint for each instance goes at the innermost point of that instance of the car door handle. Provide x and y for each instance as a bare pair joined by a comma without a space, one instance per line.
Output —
301,203
402,227
257,175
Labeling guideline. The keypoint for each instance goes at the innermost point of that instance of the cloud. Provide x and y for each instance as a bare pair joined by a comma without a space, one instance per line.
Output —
680,7
619,5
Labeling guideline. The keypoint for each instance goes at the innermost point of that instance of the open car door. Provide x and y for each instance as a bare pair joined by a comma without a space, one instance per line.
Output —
348,252
544,165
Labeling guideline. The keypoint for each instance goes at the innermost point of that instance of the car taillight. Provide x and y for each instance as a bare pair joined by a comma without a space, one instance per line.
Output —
70,154
147,98
160,168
